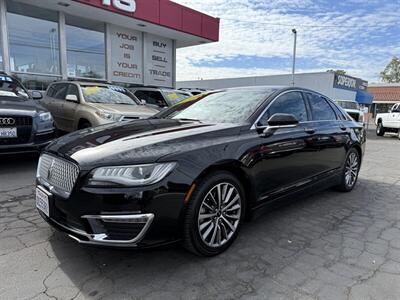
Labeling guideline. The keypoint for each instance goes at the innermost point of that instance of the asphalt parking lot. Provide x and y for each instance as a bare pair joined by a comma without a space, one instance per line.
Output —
329,246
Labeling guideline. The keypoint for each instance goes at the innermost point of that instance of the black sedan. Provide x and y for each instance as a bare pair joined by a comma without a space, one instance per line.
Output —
25,126
196,171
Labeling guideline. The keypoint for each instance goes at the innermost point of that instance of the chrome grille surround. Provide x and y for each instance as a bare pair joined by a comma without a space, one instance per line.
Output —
57,174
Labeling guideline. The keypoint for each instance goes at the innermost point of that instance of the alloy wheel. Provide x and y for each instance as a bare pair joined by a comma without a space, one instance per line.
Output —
219,214
352,168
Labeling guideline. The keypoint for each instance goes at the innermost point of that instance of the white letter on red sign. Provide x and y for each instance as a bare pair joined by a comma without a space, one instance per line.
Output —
125,5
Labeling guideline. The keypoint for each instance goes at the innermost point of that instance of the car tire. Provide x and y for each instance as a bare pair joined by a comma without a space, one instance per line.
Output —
350,171
380,130
214,214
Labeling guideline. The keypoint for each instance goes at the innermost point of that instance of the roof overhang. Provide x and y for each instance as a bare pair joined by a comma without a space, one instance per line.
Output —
160,17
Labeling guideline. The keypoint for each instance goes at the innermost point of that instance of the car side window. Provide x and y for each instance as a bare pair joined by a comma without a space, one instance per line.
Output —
61,91
151,97
289,103
320,108
51,91
73,90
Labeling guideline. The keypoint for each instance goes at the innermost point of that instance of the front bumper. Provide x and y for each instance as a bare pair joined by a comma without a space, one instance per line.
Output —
140,217
103,237
36,143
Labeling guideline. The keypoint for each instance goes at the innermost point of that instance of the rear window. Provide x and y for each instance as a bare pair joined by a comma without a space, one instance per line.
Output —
320,108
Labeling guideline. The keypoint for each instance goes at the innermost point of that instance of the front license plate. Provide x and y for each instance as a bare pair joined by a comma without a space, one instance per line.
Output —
42,202
8,132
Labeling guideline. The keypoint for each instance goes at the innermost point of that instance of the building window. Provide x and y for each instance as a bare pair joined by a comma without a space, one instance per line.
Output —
36,82
33,39
85,48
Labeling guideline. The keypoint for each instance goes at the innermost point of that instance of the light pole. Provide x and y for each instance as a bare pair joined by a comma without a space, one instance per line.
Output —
294,54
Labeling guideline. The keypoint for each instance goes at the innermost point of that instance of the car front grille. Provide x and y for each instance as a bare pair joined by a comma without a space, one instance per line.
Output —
24,130
57,173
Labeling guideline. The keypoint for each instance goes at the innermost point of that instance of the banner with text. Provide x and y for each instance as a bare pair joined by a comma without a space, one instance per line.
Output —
158,64
126,55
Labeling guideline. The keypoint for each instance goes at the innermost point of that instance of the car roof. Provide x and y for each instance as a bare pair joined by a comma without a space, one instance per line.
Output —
90,83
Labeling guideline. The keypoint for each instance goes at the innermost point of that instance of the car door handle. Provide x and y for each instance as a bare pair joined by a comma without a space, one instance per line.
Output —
309,130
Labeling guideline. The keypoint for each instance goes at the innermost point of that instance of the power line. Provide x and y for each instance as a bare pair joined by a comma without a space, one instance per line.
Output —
311,26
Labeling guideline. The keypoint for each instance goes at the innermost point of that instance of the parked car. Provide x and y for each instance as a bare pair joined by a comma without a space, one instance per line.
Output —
77,105
388,122
25,125
352,108
159,98
193,174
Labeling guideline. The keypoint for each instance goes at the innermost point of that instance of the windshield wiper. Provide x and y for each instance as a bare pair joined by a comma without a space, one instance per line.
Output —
189,120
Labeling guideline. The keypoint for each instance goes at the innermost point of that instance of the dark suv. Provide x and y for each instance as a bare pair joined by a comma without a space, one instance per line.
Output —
25,126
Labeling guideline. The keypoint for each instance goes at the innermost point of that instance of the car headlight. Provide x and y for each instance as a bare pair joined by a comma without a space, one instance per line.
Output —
137,175
45,117
106,115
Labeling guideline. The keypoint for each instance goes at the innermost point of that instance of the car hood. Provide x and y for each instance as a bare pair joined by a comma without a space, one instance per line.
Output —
15,107
126,110
141,141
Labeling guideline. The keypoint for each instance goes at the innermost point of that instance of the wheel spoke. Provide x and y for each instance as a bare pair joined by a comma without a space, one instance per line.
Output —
206,216
237,206
214,234
228,223
231,203
228,196
208,231
204,225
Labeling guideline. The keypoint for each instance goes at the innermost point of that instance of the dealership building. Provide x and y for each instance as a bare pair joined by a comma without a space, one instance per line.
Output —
128,42
334,85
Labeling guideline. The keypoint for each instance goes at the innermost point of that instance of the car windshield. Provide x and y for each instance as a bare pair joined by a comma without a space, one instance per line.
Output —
108,95
231,106
347,104
12,89
174,97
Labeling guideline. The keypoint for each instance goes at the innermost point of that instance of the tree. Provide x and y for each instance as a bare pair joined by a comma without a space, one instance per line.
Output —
340,72
391,74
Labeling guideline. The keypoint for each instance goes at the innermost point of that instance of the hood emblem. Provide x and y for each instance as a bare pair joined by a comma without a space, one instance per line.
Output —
7,121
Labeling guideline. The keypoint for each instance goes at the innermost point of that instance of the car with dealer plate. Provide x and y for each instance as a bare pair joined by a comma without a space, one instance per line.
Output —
25,125
196,171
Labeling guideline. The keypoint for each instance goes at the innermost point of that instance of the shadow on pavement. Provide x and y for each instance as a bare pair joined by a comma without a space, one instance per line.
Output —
307,234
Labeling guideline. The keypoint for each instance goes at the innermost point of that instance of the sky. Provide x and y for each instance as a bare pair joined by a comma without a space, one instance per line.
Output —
359,36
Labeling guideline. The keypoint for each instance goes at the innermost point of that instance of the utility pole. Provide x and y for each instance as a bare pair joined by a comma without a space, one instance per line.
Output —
294,54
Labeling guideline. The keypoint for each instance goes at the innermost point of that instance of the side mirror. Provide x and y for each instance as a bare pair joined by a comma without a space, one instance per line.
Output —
278,121
389,110
71,98
283,120
143,102
36,95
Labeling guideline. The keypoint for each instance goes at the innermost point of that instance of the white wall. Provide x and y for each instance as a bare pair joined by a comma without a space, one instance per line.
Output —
321,82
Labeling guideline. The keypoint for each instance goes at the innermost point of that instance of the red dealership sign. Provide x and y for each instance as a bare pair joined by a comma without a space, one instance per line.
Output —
164,13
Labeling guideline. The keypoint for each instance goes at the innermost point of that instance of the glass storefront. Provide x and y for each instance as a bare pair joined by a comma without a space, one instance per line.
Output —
85,48
36,82
33,39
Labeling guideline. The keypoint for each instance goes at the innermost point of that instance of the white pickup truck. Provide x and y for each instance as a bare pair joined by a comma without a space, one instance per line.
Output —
388,122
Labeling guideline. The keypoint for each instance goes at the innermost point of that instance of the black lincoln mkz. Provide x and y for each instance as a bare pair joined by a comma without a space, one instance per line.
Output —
194,172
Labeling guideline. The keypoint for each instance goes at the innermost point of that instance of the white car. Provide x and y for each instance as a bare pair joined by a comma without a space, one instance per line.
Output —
388,122
352,108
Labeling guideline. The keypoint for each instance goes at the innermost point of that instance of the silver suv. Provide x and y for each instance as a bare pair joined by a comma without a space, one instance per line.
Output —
159,98
77,105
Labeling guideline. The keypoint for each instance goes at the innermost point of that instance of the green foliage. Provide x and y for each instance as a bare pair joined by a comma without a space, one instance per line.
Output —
391,74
